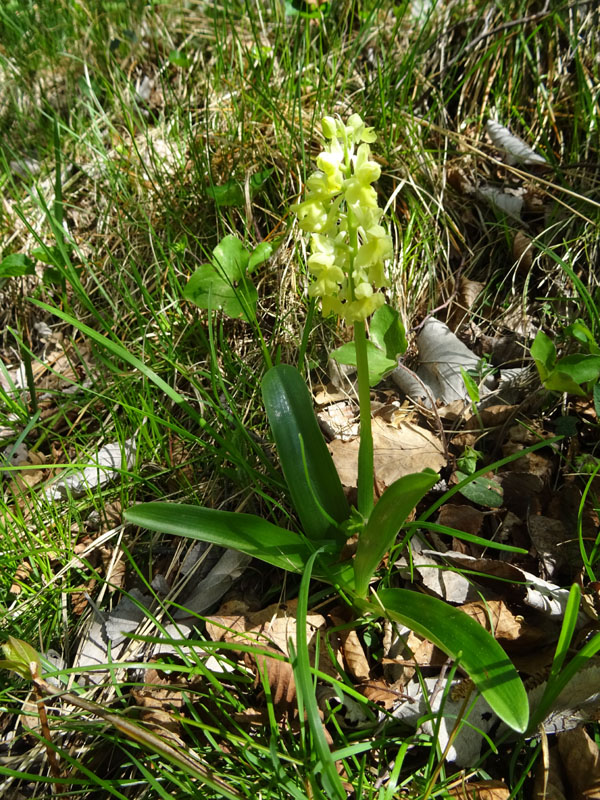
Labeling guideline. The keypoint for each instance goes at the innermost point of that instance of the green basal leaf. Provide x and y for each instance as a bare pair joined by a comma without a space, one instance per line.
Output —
207,289
223,283
580,367
308,468
557,381
52,255
379,364
244,532
229,194
543,353
258,180
178,59
465,640
247,533
481,490
385,521
261,253
16,265
387,332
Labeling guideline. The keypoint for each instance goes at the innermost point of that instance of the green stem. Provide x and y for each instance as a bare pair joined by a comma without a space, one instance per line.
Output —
365,450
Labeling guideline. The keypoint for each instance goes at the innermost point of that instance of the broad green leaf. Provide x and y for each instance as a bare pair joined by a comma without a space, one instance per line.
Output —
543,353
386,519
52,255
244,532
261,253
597,399
223,283
581,367
379,364
387,332
464,640
207,289
308,468
258,180
557,381
229,194
178,59
481,490
16,265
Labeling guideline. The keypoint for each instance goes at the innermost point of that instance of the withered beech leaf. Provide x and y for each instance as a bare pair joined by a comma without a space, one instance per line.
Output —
481,790
581,761
354,655
157,699
495,617
548,783
397,451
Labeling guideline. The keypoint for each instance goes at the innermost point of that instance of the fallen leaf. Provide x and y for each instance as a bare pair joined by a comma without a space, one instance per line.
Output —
581,761
396,452
354,655
462,517
156,699
548,783
506,202
494,616
517,152
481,790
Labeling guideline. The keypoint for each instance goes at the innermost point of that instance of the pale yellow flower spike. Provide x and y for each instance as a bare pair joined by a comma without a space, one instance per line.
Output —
349,246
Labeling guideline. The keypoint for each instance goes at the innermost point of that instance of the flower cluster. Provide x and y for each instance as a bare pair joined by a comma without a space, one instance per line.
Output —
348,245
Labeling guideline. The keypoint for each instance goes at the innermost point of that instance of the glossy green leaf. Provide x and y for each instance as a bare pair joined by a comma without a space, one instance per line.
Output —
309,471
379,364
543,353
16,265
223,283
261,253
227,195
386,519
481,490
244,532
387,332
466,641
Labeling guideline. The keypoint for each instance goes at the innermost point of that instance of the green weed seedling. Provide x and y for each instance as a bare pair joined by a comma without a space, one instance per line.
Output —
576,374
348,249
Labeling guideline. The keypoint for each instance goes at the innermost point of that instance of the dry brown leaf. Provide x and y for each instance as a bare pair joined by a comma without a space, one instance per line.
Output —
338,421
522,251
494,616
21,576
581,760
272,626
354,655
462,517
156,699
382,693
491,417
548,782
279,675
396,452
324,395
481,790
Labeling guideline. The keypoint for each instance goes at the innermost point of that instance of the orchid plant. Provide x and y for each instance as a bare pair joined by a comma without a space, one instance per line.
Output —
349,248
